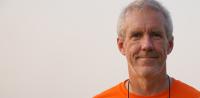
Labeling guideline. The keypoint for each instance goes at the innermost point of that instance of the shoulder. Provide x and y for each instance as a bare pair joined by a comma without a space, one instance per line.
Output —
184,89
113,92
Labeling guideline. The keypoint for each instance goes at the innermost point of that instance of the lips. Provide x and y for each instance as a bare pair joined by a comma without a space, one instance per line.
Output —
148,58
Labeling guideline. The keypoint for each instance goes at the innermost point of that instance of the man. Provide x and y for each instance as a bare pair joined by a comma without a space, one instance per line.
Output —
145,39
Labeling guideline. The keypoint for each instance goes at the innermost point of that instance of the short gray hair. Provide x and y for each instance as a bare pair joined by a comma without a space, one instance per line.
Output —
141,4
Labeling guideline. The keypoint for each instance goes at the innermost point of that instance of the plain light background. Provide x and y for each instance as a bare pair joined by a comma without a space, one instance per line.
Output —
67,48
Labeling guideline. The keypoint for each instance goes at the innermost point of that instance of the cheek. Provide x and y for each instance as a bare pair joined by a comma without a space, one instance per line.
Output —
132,49
162,49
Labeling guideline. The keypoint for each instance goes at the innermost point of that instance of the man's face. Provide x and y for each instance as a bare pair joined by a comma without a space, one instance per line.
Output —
145,44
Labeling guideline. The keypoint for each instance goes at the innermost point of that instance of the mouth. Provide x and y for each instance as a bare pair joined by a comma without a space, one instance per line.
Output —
148,55
147,58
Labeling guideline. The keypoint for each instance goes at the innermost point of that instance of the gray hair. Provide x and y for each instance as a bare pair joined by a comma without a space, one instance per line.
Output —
141,4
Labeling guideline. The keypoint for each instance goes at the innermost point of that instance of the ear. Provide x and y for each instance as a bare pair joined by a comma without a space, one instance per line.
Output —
120,44
170,45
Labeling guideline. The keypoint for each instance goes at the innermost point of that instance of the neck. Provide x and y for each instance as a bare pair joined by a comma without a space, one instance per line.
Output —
148,86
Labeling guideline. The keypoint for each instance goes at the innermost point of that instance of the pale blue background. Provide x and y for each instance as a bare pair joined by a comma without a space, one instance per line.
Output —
67,48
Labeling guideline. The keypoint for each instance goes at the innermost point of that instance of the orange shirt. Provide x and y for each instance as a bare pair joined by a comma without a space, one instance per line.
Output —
178,89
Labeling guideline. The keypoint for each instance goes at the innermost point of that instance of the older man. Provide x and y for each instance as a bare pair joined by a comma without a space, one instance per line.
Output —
145,39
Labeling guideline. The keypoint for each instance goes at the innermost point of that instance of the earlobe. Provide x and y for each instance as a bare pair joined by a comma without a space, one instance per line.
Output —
120,44
170,45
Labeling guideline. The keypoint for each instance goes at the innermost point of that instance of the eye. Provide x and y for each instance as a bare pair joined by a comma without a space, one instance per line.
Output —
156,34
136,35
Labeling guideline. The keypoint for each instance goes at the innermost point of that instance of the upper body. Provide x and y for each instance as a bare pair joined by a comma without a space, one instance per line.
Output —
145,39
177,90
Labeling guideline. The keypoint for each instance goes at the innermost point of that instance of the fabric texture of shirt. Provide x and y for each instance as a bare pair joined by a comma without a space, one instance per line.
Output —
178,89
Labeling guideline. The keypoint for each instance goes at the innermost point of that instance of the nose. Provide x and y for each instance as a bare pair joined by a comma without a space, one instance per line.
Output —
147,44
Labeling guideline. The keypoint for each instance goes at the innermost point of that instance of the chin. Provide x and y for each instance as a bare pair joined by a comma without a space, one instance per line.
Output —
147,71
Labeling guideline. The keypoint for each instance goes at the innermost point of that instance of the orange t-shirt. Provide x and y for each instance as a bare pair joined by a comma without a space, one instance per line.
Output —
178,89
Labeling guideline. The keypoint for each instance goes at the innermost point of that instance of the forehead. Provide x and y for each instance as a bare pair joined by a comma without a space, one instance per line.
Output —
144,20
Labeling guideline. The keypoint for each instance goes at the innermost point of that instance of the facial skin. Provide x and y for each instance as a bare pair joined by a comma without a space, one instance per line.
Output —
145,44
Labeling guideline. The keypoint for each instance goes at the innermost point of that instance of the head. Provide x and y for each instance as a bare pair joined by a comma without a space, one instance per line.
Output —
145,37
